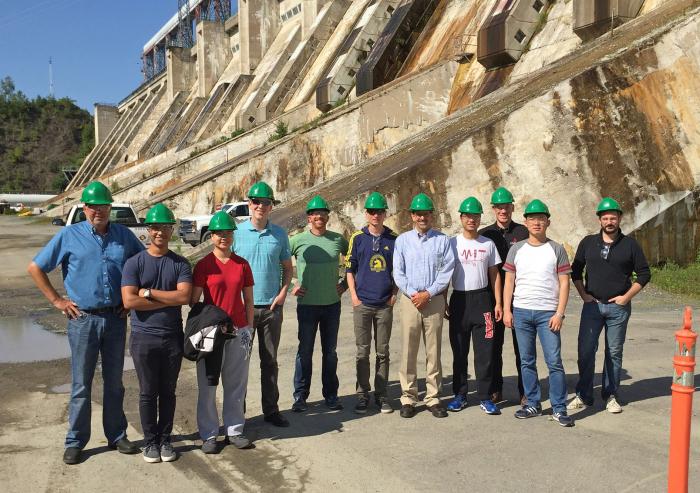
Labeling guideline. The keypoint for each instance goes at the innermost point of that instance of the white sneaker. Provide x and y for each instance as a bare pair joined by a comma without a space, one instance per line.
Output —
612,406
576,403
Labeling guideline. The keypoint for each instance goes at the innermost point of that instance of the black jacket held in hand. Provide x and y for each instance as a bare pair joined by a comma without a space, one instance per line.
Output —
607,278
200,317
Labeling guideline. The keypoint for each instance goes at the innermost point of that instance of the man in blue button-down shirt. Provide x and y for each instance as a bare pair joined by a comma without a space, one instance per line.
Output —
423,265
91,255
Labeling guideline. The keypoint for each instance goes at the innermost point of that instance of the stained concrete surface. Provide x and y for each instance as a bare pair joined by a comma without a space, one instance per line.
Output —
342,450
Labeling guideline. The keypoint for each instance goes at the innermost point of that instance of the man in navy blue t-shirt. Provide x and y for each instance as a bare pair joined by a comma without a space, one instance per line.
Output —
155,284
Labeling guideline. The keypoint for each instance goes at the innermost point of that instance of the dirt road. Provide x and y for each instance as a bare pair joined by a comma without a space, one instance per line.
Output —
342,450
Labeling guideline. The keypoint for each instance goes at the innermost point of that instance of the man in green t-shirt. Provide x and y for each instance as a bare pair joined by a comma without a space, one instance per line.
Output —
318,255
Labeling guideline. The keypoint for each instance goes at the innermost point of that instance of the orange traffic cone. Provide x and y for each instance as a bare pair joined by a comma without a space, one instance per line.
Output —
682,390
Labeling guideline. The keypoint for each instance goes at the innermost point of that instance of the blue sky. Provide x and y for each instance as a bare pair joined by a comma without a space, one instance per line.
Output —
95,45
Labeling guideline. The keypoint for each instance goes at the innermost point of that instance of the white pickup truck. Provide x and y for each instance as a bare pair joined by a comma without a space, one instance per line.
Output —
120,214
195,229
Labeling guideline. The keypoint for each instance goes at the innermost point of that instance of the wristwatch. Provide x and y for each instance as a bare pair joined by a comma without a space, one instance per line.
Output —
560,315
147,293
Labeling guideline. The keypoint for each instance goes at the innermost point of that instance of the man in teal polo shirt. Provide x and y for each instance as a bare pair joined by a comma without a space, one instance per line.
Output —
266,248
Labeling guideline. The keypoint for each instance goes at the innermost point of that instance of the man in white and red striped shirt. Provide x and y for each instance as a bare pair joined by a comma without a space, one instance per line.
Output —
537,282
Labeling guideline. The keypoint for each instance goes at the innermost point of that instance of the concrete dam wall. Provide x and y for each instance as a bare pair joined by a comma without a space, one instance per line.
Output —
572,120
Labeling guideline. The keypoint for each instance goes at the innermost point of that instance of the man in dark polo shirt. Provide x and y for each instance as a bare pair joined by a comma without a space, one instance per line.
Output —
91,254
610,259
155,285
504,233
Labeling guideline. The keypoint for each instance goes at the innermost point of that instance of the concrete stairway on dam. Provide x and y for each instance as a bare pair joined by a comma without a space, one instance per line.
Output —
340,79
204,115
270,67
129,123
181,124
301,60
165,122
222,112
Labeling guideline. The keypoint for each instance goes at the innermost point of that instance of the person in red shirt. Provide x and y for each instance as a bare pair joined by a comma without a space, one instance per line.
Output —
226,281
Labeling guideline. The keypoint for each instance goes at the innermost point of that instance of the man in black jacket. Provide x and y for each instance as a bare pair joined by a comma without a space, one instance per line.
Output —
610,258
504,233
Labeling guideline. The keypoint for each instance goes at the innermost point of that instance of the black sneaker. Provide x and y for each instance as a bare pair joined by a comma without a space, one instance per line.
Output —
361,406
563,419
333,403
277,420
528,412
209,446
385,406
72,455
299,405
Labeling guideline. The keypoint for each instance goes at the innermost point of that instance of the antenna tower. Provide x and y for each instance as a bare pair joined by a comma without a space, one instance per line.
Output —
51,93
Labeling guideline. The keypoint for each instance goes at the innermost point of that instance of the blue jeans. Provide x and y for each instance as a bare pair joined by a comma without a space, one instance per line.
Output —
325,318
88,336
594,317
529,324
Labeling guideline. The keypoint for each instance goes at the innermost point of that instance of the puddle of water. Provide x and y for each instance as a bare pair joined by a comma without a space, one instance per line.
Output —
22,340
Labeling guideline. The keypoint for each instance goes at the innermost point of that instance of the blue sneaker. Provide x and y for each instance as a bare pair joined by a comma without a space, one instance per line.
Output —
457,404
489,407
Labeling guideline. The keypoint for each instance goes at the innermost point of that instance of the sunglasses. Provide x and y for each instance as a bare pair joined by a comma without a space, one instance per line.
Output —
605,252
375,212
264,202
163,228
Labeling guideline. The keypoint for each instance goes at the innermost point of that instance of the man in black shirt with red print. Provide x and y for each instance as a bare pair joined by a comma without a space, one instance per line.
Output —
609,258
504,233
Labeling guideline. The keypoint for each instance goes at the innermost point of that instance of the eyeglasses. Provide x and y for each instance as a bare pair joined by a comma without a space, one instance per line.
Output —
605,251
98,207
264,202
162,228
375,212
227,233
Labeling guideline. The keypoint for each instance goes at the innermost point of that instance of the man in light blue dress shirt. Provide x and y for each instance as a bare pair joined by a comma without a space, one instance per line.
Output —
91,254
423,265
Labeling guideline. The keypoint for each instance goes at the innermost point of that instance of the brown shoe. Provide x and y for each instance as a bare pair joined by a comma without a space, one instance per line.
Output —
438,411
497,396
523,400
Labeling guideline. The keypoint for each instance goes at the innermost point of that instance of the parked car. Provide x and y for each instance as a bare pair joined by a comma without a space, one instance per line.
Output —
120,214
195,229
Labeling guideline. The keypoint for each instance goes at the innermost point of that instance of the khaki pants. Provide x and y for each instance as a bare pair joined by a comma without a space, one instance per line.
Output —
414,323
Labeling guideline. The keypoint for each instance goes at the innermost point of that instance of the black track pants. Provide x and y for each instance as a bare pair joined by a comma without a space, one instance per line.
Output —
471,316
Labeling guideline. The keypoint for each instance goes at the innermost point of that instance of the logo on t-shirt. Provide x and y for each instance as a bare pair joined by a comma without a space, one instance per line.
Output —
377,263
473,255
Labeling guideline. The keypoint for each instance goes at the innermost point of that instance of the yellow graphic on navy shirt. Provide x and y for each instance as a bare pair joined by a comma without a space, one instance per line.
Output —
377,263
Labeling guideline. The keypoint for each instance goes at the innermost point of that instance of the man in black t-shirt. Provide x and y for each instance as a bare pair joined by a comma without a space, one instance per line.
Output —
155,285
609,258
504,233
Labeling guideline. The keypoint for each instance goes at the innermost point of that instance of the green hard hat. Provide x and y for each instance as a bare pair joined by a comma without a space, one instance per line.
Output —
160,214
261,190
502,196
317,204
608,204
376,201
536,207
421,202
222,221
471,205
96,194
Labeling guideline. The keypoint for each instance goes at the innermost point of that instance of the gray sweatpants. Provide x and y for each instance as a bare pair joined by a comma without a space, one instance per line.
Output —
234,379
